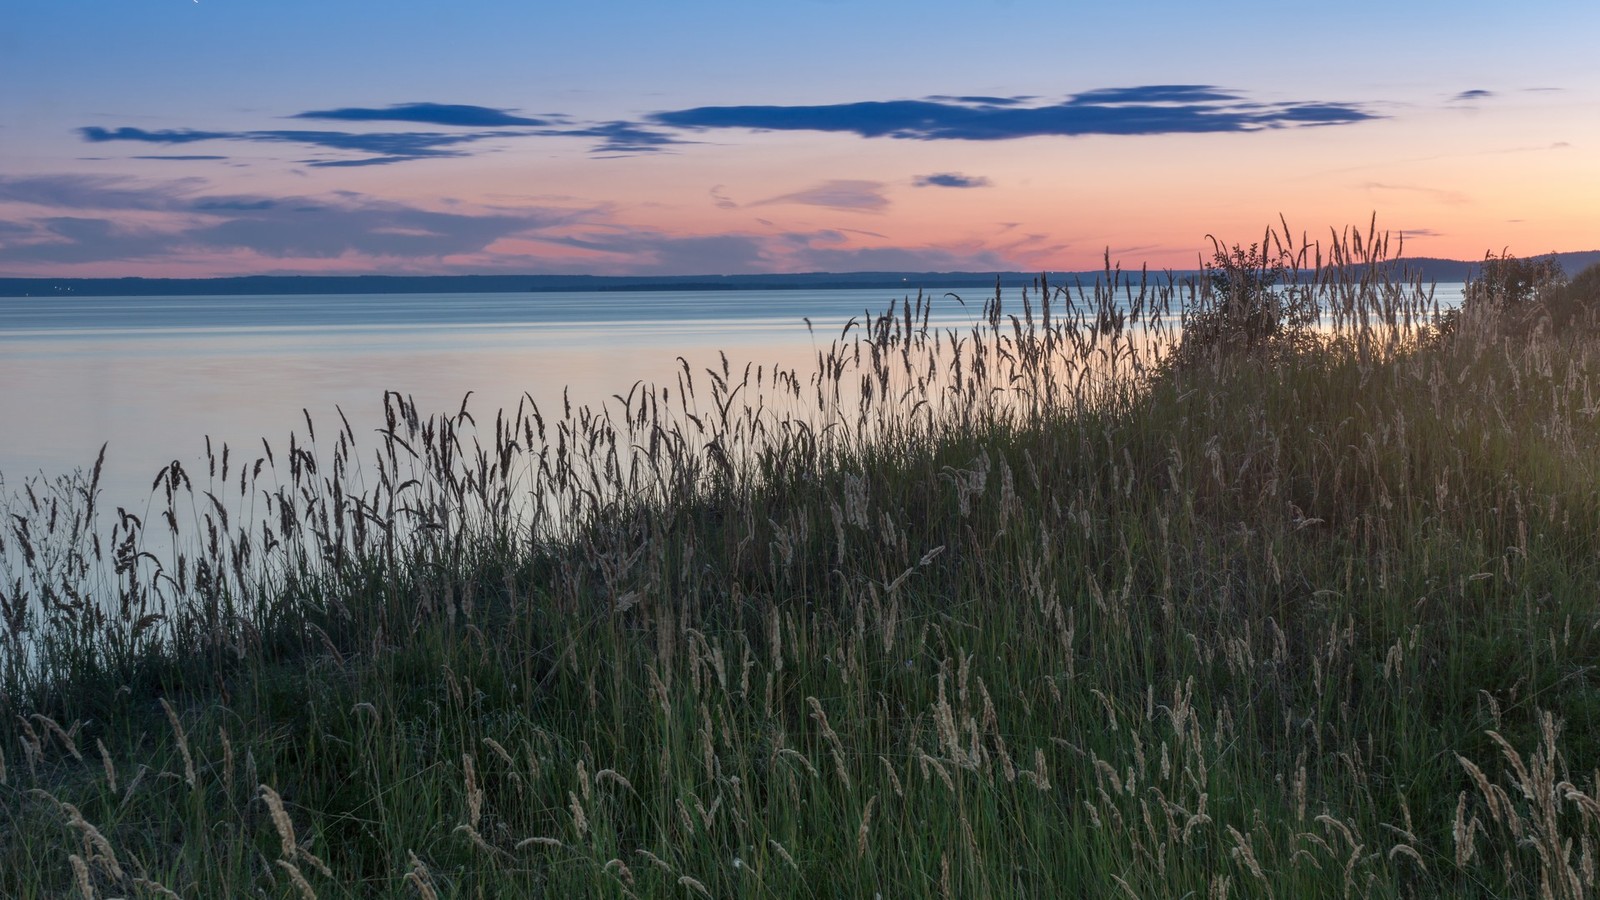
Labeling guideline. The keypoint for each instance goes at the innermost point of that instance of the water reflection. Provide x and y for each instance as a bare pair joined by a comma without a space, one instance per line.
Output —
154,376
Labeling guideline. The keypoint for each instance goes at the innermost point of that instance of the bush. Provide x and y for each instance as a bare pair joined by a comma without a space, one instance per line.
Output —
1512,297
1248,306
1512,283
1572,304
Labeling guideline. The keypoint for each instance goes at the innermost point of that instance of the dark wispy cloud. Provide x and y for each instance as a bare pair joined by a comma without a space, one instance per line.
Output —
1472,96
96,135
181,157
234,204
372,160
846,194
1153,93
426,114
991,101
399,144
389,147
1140,110
1146,110
622,138
382,147
950,180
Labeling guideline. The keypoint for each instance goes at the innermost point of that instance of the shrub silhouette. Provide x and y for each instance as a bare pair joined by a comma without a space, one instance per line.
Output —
1515,297
1249,305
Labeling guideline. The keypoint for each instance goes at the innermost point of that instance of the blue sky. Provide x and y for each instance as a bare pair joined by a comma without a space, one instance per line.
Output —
223,137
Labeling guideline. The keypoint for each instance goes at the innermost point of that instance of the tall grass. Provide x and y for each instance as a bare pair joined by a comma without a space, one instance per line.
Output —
1117,593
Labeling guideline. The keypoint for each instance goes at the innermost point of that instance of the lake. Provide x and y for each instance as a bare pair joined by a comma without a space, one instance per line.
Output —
154,376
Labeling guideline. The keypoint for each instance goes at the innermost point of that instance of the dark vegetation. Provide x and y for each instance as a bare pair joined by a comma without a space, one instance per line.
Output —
1277,584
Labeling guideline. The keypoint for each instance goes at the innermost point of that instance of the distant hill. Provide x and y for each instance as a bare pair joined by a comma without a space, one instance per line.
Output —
1434,269
493,284
1443,270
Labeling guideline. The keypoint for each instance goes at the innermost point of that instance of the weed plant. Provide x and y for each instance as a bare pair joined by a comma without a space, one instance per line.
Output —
1146,588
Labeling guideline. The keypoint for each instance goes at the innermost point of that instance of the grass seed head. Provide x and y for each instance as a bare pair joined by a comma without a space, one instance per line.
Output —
288,848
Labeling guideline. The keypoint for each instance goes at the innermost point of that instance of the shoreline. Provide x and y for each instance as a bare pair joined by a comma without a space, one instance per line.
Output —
1427,268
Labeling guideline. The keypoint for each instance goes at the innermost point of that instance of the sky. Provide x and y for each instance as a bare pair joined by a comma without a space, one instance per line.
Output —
192,138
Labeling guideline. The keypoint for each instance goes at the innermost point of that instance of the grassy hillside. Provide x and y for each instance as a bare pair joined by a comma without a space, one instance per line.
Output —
1139,592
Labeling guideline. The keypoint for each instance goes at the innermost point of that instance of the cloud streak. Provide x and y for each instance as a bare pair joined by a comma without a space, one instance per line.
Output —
846,194
383,147
622,138
950,180
1146,110
426,114
96,135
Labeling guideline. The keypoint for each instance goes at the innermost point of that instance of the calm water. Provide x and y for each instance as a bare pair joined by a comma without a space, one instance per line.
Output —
155,375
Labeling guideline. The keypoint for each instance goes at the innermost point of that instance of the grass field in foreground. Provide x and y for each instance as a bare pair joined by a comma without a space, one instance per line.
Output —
1143,590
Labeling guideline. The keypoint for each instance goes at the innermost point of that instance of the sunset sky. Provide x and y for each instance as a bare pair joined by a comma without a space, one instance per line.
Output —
226,137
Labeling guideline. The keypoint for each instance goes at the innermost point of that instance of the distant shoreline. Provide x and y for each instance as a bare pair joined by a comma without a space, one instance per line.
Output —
1441,270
